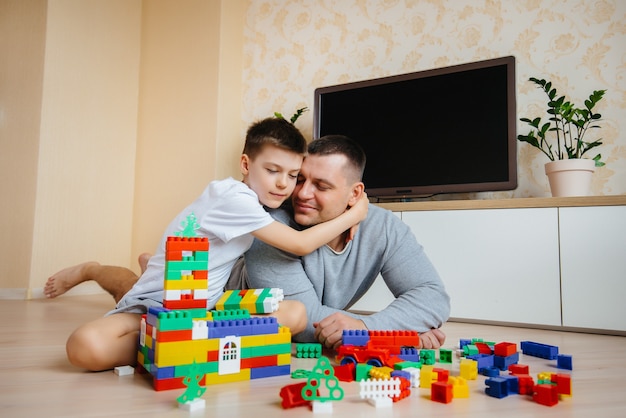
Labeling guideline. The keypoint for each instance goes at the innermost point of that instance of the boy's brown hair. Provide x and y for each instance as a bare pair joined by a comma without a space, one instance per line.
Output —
274,131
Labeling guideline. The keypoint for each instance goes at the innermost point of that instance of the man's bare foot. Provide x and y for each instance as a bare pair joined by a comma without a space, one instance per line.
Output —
143,261
65,279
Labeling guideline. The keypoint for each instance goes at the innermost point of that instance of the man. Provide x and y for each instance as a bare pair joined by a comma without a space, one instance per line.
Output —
332,278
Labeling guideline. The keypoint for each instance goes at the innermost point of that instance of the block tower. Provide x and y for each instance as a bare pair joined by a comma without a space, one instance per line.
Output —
225,344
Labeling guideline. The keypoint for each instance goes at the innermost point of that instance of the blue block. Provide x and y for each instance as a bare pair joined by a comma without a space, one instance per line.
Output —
409,354
530,348
225,328
263,325
483,360
564,361
503,363
463,342
358,337
163,372
270,371
497,387
512,383
490,371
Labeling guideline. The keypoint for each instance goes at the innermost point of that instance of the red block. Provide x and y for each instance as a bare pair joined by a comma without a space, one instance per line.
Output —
546,394
254,362
505,349
563,383
168,336
483,348
346,372
441,392
516,369
526,384
442,374
292,395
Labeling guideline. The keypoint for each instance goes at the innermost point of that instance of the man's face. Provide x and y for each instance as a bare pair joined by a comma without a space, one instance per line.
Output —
323,191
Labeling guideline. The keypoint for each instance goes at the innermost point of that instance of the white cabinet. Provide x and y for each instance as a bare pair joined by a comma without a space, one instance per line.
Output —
593,267
538,261
497,264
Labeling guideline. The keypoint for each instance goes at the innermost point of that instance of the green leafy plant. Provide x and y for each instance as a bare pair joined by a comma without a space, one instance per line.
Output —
569,124
295,116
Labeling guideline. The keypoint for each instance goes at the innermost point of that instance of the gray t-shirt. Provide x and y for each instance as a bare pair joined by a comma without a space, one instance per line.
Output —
327,281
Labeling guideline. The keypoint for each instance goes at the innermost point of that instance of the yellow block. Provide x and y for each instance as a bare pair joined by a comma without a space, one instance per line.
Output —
283,359
380,372
249,300
186,283
176,353
460,389
469,369
427,376
214,378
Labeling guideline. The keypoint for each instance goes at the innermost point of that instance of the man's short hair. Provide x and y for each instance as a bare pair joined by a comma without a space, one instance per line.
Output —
341,144
273,131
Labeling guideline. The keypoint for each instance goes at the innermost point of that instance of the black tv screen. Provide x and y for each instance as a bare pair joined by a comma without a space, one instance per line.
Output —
446,130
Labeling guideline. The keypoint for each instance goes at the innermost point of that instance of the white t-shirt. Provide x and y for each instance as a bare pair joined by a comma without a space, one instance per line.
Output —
226,212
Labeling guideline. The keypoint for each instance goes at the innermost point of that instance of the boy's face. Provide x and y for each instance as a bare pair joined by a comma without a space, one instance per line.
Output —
272,174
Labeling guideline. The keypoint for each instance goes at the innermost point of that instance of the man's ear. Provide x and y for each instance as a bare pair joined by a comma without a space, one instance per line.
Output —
244,164
356,193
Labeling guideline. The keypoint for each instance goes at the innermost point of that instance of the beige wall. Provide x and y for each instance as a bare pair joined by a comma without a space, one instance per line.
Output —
292,47
22,42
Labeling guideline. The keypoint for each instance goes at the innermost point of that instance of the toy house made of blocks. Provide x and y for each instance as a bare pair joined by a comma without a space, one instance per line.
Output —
225,344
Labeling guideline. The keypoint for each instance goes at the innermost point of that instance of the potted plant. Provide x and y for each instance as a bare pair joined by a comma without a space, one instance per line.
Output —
561,139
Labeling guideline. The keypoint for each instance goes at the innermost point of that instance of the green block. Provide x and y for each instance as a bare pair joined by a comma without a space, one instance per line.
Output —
270,350
174,321
445,355
265,293
407,364
428,357
363,371
230,314
201,368
201,256
308,350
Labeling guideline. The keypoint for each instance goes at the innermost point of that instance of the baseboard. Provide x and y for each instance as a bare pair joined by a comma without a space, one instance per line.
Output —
88,288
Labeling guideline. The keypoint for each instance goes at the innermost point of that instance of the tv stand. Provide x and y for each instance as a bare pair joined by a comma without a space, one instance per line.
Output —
539,262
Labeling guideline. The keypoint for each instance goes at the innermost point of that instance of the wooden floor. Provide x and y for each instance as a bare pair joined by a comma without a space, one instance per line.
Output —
37,381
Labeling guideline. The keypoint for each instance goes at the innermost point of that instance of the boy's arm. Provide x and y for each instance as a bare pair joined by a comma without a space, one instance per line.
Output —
304,242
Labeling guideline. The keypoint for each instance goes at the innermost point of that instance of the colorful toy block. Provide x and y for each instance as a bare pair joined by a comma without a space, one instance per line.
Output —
564,361
308,350
534,349
546,394
221,345
441,392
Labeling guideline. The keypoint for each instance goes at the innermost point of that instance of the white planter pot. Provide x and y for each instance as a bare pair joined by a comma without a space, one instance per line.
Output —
570,177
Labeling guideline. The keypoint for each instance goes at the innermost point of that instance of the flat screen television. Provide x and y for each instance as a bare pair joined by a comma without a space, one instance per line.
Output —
445,130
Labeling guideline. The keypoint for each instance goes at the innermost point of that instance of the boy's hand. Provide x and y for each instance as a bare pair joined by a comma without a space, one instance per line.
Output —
360,209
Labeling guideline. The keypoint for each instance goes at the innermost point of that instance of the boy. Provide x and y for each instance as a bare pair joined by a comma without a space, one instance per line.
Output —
230,214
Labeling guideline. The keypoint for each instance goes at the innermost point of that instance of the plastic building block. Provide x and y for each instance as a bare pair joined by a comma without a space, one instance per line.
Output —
427,356
482,360
124,370
441,392
322,373
490,371
291,396
468,369
503,363
546,394
308,350
445,355
563,383
380,392
345,372
497,387
517,369
564,361
526,384
362,371
355,337
505,349
460,388
534,349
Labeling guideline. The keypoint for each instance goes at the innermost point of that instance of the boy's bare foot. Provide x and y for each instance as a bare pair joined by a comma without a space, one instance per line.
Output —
65,279
143,261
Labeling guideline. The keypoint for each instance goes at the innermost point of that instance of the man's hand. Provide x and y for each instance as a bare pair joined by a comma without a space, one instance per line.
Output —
329,330
432,339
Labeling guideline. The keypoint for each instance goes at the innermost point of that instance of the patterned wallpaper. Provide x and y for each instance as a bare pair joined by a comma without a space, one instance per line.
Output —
293,46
